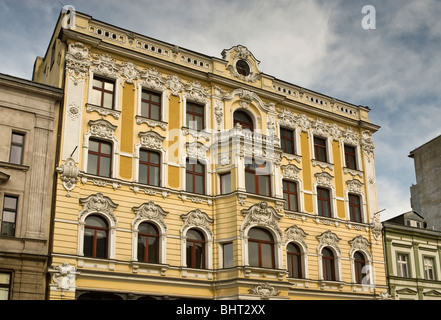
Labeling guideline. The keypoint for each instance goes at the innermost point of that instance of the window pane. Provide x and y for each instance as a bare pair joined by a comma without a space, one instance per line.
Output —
104,167
17,138
145,109
10,203
101,244
154,176
108,100
97,83
253,253
108,86
225,183
267,255
250,183
94,145
8,229
16,154
199,184
153,244
228,255
189,182
154,157
155,112
293,202
141,247
195,235
106,148
96,97
199,168
142,174
156,98
264,185
199,255
8,216
92,164
88,242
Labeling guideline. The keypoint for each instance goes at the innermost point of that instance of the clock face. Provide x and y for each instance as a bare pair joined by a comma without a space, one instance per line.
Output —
242,67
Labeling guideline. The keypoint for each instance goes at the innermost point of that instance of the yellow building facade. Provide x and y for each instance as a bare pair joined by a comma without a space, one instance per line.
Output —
187,176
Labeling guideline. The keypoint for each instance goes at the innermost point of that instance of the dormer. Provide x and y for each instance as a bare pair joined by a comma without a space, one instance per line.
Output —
241,63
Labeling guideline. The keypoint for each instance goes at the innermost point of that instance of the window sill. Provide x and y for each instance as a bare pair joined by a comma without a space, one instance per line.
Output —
150,268
14,166
102,111
322,164
203,274
195,197
330,284
151,122
251,271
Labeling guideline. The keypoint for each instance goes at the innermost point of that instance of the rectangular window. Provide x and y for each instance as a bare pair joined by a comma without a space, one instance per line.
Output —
258,178
103,92
5,285
99,161
429,271
151,105
320,149
9,215
287,140
225,183
149,167
17,144
195,177
403,268
324,202
227,249
195,116
354,208
350,158
290,195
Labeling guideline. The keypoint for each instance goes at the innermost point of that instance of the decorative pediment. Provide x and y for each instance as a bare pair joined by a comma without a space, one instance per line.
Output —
77,60
261,214
105,65
152,79
355,186
102,128
174,84
196,92
197,150
432,293
350,137
197,218
296,234
360,243
290,171
328,238
241,63
98,203
151,140
324,179
406,291
130,71
150,211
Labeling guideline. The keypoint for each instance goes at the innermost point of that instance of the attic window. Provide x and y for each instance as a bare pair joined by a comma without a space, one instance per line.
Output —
242,67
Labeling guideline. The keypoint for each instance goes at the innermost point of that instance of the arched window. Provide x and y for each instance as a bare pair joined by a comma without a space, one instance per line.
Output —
195,249
328,264
294,256
95,237
148,243
261,248
243,119
359,264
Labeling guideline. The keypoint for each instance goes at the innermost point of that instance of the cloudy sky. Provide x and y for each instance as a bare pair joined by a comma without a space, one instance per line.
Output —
395,69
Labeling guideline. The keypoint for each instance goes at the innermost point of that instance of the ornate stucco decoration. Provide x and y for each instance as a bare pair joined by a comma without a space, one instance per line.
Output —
355,186
152,79
296,234
247,96
105,65
151,140
367,144
376,226
360,243
64,276
320,128
237,53
174,84
150,211
334,131
219,114
102,128
77,61
196,150
98,203
261,214
324,179
287,119
69,174
130,71
290,171
196,218
328,238
196,92
265,291
350,137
